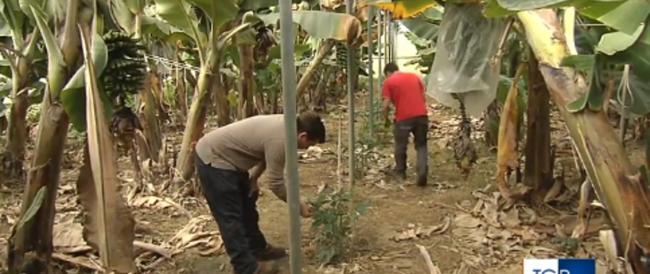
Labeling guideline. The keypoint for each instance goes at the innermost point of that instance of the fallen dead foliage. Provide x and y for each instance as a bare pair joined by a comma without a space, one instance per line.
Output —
413,232
314,154
196,234
68,238
71,248
157,203
487,235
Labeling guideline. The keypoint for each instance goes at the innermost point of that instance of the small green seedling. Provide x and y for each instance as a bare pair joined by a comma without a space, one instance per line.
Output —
335,211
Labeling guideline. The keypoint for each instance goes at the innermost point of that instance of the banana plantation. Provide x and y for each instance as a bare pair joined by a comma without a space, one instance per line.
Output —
537,134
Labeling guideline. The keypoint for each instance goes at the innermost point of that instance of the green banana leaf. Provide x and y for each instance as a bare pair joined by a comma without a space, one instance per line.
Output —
421,27
614,42
180,15
73,96
622,15
219,11
322,25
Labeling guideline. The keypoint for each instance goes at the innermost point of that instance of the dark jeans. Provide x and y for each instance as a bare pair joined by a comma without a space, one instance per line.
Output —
419,127
227,193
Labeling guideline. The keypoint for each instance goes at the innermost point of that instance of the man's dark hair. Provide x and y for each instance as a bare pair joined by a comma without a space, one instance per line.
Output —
312,124
390,68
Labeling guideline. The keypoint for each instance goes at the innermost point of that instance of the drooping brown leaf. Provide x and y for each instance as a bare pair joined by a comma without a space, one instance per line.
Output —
507,158
109,224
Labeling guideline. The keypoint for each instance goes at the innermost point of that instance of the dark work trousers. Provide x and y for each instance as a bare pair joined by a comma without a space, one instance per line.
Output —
227,193
418,126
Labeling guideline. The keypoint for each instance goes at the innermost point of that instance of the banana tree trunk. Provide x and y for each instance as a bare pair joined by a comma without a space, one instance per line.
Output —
322,52
538,170
615,180
195,123
30,246
247,83
17,122
220,89
16,126
491,118
150,125
181,91
319,102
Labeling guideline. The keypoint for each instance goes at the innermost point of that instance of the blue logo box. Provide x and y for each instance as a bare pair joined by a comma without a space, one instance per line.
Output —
559,266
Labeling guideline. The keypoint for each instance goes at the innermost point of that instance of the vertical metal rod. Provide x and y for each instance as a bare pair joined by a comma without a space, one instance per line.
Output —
380,50
371,78
291,142
349,6
386,35
394,42
391,38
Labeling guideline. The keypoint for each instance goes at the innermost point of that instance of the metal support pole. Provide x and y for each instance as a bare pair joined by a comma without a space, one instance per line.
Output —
391,38
380,51
291,142
394,43
371,78
349,6
386,37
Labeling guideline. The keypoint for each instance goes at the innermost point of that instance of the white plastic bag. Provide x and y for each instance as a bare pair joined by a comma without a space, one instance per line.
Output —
464,61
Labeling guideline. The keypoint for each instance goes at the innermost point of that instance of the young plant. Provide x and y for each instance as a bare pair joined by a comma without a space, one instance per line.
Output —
335,211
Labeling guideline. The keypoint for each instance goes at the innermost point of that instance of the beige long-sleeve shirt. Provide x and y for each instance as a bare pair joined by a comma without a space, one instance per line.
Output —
240,146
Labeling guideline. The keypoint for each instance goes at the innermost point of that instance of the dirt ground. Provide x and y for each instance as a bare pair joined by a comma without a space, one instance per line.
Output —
468,245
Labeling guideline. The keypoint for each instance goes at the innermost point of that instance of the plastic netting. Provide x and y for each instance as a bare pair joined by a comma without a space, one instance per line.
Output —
464,62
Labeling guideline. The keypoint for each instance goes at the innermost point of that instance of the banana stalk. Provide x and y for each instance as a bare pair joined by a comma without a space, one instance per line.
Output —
30,245
17,122
323,51
247,82
196,116
538,168
151,125
616,182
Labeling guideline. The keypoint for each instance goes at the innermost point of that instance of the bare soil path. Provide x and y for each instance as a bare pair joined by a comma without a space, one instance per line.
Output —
458,221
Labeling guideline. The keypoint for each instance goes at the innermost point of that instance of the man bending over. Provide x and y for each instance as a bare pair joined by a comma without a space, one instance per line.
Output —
223,159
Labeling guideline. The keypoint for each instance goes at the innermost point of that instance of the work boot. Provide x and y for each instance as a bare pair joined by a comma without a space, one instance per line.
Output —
270,253
267,268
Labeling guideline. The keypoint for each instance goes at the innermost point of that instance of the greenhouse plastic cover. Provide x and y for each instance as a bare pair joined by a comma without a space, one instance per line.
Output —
465,59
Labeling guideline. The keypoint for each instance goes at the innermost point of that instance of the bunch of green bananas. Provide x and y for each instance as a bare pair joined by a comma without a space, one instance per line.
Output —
126,68
341,54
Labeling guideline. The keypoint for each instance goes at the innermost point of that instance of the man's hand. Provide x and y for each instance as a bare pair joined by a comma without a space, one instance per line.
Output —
306,211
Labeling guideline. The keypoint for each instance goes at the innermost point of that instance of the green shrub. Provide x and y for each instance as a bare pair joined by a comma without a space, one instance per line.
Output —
335,211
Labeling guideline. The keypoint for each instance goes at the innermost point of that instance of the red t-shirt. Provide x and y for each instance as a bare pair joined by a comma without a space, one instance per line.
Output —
406,91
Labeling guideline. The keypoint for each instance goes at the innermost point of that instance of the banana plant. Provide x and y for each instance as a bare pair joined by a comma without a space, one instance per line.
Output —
30,245
20,56
618,185
340,28
614,178
211,45
131,17
109,225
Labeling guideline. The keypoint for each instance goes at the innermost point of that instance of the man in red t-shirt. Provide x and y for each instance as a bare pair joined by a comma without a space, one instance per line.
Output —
406,92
